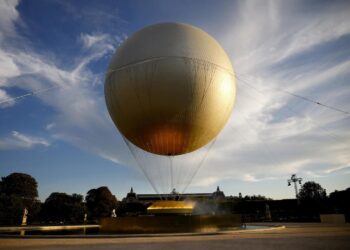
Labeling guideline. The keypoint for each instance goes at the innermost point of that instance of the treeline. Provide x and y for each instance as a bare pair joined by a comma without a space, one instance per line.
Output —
19,191
312,201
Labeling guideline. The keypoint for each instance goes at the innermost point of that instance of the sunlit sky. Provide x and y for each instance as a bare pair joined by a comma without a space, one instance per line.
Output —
65,139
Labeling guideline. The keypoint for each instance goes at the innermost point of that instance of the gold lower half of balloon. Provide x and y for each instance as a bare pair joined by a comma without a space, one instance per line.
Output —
170,107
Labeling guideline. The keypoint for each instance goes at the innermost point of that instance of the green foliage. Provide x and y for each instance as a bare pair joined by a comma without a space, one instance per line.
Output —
256,198
100,202
17,192
21,185
11,209
62,207
312,191
313,199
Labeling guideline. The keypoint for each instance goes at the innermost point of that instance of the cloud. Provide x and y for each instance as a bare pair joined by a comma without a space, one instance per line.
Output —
272,134
249,177
5,99
281,30
8,67
337,168
21,141
8,15
79,114
89,40
274,45
50,126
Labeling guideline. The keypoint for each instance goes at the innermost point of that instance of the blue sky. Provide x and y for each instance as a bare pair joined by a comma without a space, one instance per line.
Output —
66,140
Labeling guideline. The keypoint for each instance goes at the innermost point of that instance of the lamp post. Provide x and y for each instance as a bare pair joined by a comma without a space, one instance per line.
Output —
295,180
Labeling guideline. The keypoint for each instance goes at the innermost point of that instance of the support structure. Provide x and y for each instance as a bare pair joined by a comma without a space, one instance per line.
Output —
295,180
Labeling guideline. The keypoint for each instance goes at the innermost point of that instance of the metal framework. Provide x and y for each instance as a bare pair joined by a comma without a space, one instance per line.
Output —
295,180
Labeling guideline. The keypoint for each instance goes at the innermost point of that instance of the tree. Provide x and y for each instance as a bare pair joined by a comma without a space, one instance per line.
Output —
21,185
312,191
340,202
11,210
62,207
256,198
313,200
18,191
100,202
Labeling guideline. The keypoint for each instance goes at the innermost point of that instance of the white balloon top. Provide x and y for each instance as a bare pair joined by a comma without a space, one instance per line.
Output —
170,40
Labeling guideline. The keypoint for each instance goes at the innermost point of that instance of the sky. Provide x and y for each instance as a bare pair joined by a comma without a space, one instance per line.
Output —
63,136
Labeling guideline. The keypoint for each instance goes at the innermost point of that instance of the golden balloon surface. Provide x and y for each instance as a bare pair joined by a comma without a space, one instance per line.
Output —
170,88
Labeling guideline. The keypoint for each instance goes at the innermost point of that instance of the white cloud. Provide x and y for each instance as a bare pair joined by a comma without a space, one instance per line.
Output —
8,68
29,141
337,168
8,14
281,29
5,99
270,134
21,141
89,40
50,126
249,177
80,116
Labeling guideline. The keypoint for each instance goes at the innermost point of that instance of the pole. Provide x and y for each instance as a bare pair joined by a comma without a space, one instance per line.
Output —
295,180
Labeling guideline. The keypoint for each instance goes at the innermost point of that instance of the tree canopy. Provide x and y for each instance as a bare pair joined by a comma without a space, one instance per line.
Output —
21,185
341,201
256,198
313,199
18,191
312,191
62,207
100,202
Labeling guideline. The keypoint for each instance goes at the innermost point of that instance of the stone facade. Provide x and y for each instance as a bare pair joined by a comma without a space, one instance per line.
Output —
218,195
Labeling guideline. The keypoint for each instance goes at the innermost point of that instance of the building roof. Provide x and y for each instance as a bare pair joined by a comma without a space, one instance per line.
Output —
132,196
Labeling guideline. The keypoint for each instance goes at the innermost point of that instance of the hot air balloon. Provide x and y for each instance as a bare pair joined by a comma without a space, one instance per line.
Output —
170,89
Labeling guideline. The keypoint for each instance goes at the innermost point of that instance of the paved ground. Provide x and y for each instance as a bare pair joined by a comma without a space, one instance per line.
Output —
294,236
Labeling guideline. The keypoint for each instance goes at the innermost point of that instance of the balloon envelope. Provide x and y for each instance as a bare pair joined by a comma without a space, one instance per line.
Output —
170,88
